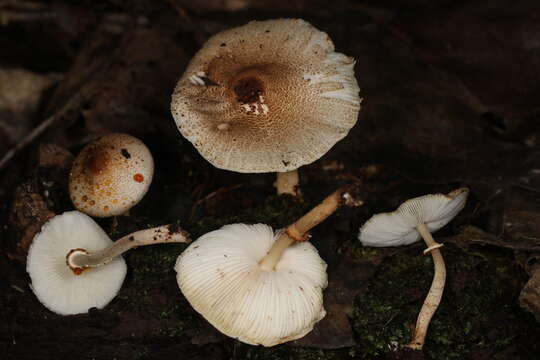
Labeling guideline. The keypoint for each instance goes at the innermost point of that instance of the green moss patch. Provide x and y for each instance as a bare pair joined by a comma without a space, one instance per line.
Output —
477,296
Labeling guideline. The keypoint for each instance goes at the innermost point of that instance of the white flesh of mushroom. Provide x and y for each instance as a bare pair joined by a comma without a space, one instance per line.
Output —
56,286
398,228
221,277
74,265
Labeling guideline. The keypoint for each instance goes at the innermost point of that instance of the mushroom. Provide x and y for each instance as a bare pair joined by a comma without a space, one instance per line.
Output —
416,218
269,96
251,284
110,175
74,265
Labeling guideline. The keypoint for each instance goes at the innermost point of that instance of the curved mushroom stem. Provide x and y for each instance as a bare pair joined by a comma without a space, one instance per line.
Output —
297,231
80,259
287,183
434,296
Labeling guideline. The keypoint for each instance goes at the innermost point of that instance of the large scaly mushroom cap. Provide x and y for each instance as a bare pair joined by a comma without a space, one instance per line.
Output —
399,227
56,286
220,276
269,96
110,175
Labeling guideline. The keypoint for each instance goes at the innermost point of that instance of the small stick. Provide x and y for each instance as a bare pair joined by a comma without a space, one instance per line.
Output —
28,5
27,140
80,259
434,296
7,16
211,195
72,103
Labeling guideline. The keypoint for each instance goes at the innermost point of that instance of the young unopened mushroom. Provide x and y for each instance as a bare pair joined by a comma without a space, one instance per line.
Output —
75,266
269,96
414,219
110,175
249,283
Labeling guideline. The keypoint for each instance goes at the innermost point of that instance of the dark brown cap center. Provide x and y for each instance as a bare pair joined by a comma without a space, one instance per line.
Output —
97,161
248,89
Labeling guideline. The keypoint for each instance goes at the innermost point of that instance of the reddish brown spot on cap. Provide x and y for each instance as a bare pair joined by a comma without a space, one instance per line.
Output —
138,177
84,198
92,202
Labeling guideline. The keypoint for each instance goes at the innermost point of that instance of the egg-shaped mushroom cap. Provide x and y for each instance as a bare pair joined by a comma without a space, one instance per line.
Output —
269,96
54,283
399,227
110,175
220,276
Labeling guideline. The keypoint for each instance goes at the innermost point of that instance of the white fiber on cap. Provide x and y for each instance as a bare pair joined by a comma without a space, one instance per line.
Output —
54,283
220,276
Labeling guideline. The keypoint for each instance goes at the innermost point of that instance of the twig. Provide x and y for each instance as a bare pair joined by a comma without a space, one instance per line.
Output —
27,140
15,287
9,16
474,236
211,195
526,187
13,11
180,11
28,5
479,206
72,103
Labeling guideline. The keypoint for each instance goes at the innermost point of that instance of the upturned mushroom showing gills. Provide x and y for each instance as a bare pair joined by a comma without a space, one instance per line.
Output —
269,96
110,175
251,284
414,219
74,265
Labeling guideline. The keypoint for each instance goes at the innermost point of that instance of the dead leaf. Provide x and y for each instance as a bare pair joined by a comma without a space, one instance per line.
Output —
529,298
29,212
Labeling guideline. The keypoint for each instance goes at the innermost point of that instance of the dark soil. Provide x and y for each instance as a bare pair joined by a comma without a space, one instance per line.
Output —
450,94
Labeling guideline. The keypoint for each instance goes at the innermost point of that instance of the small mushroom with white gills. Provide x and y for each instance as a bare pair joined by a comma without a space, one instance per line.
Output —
251,284
110,175
74,265
269,96
414,219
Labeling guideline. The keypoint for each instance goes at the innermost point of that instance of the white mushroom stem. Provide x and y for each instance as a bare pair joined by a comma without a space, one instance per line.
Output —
287,182
297,231
433,298
81,259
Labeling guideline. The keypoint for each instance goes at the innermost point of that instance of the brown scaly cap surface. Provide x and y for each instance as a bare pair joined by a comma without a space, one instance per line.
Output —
110,175
267,96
